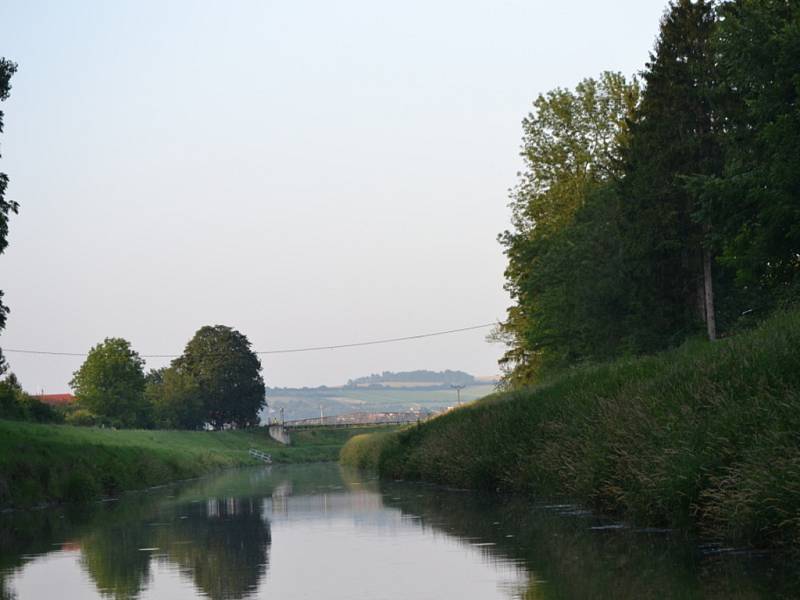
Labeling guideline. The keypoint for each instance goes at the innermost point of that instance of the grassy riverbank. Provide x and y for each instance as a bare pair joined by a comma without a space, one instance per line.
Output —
705,436
60,463
320,444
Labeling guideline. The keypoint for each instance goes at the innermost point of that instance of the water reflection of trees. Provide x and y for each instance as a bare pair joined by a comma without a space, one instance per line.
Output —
24,534
212,531
568,559
113,559
221,544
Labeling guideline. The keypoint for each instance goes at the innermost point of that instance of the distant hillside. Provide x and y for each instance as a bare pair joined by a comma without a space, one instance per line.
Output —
386,392
422,377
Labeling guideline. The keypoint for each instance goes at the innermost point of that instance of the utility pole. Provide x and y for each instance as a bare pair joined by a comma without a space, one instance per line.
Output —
458,389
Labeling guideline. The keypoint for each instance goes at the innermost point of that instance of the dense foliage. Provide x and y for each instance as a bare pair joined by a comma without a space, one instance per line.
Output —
645,217
16,405
572,149
110,384
7,69
215,383
227,374
175,399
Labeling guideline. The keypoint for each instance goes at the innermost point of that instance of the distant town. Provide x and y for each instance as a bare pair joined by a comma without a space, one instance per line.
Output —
412,393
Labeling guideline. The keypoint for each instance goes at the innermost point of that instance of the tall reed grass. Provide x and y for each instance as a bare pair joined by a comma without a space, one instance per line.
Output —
704,436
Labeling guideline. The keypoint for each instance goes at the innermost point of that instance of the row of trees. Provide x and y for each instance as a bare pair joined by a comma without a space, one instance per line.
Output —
652,210
445,377
216,382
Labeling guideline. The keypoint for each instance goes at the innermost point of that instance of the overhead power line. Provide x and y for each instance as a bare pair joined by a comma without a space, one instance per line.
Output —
283,350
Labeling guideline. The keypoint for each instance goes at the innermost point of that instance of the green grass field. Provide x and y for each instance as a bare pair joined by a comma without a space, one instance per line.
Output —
704,436
61,463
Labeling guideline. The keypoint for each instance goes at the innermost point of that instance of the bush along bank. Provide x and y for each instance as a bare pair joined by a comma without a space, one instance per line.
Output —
706,436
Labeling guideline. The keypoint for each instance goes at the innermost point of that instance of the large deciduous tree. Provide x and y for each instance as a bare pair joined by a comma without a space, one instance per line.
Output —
111,383
228,375
572,145
7,69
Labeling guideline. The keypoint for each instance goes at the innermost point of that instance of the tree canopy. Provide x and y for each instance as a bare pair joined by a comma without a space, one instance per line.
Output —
110,383
175,399
645,217
755,200
227,374
572,147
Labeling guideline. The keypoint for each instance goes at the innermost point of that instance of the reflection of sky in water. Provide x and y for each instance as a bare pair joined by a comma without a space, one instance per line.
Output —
372,551
327,544
320,533
339,557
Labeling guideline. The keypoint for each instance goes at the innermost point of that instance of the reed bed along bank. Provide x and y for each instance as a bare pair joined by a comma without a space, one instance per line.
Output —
706,436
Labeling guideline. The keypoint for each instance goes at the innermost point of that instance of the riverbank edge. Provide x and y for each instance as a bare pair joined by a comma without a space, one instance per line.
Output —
43,465
57,464
703,437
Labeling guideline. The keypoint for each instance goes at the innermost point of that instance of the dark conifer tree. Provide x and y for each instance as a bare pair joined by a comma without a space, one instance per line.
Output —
672,138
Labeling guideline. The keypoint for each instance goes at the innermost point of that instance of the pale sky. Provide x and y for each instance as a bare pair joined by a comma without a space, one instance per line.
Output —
308,172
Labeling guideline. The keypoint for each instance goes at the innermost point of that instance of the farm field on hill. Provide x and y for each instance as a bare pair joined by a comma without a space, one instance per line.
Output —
303,404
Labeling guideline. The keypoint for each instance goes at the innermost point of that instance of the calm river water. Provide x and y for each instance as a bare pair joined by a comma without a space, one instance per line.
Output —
320,532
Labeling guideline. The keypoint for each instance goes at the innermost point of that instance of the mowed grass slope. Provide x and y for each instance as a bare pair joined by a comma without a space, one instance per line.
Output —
55,463
705,436
61,463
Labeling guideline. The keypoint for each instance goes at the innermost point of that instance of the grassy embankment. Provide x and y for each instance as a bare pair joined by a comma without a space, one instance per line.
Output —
60,463
706,436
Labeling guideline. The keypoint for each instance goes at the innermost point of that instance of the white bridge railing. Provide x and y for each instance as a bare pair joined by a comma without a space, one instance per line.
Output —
358,420
262,456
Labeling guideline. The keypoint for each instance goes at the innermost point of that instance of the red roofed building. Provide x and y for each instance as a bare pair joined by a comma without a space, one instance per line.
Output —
57,399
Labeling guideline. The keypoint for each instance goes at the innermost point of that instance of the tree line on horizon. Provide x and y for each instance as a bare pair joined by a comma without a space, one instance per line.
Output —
419,376
656,209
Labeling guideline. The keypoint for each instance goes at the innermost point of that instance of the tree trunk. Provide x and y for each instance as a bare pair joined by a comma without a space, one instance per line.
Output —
708,285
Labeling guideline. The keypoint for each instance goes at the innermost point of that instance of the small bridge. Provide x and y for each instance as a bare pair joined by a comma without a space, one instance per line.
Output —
280,432
358,420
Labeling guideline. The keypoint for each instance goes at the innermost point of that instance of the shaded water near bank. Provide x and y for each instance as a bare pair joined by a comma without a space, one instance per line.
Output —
318,531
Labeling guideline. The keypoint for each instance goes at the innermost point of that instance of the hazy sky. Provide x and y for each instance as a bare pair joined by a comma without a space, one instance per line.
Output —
310,173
